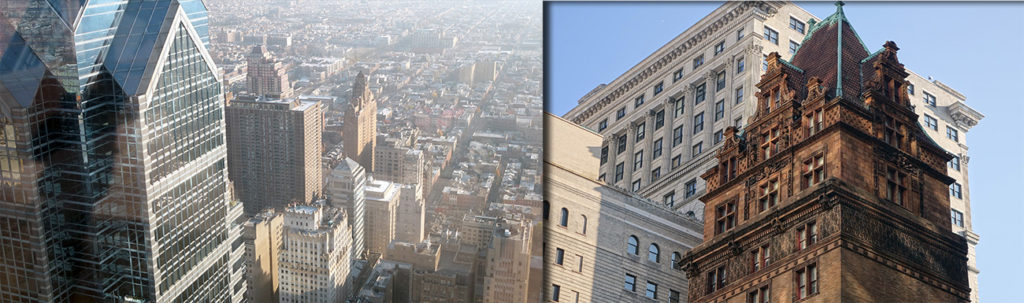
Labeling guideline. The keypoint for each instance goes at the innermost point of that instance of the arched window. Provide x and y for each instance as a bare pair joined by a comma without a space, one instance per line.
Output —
583,224
653,252
565,218
633,246
675,259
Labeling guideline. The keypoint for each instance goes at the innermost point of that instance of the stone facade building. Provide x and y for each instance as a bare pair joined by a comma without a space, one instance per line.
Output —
346,189
262,236
833,191
360,129
507,266
381,213
598,238
265,76
411,220
314,261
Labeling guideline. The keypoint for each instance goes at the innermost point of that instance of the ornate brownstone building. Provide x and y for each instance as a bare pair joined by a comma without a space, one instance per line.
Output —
360,129
832,193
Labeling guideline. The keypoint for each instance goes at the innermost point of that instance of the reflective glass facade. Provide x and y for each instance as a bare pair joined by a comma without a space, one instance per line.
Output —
113,183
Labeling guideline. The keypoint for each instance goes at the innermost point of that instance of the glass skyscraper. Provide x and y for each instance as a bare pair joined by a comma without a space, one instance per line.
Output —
113,181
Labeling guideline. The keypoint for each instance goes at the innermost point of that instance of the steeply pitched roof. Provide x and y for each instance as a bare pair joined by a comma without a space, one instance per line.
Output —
833,52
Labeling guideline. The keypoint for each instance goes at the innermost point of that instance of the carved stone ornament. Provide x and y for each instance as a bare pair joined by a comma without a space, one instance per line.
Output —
690,268
735,248
777,226
814,88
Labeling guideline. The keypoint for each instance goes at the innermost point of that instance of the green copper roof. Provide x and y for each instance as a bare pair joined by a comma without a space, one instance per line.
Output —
832,19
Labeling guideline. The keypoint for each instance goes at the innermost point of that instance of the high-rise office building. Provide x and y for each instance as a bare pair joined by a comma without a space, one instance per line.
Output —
114,181
360,130
314,261
507,268
664,119
346,188
274,149
265,76
834,191
381,212
397,162
262,236
411,221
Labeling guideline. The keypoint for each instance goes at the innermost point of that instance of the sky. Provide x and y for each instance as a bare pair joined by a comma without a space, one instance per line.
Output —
973,47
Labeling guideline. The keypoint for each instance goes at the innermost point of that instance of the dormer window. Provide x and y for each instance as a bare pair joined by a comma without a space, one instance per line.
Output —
893,132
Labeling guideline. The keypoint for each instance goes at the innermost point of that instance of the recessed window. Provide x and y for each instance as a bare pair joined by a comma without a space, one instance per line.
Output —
678,106
633,245
601,126
691,188
657,149
740,65
698,122
697,149
652,290
677,75
659,119
677,161
564,220
658,88
716,279
718,136
697,62
954,189
602,177
769,195
796,25
636,185
677,136
929,99
806,235
725,217
761,257
771,35
640,131
955,163
738,123
807,281
699,95
770,143
719,48
669,199
739,95
931,122
719,110
655,174
579,264
638,160
720,81
638,101
604,154
739,34
764,63
896,187
813,171
559,256
622,144
793,46
630,282
618,171
555,292
958,218
583,224
653,253
910,88
815,121
952,134
673,296
759,295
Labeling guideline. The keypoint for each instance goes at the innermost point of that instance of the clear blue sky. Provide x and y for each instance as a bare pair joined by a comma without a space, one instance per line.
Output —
975,48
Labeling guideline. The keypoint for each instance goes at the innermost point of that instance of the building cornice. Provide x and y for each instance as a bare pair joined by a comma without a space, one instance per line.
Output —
665,56
964,116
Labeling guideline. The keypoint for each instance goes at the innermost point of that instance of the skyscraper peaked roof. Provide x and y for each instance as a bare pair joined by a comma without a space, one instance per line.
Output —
833,52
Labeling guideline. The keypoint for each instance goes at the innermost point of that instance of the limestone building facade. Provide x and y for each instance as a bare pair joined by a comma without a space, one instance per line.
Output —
603,244
381,213
346,189
314,261
265,76
262,236
360,124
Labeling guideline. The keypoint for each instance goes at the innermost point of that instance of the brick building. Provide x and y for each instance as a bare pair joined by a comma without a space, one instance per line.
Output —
833,191
360,130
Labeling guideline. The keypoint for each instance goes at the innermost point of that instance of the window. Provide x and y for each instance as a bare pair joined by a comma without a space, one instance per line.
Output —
806,235
675,259
807,281
955,163
638,101
652,290
618,171
653,253
893,132
739,95
677,161
621,113
698,122
719,48
716,279
896,186
636,185
739,65
622,144
699,94
725,217
630,282
910,88
678,104
698,61
655,174
954,189
601,177
583,224
929,99
796,25
759,295
640,131
952,134
579,266
659,119
657,149
673,296
670,199
564,221
719,110
771,35
633,246
559,256
770,143
764,63
931,122
691,188
958,218
720,81
718,136
793,46
602,125
697,149
677,136
769,195
815,121
739,34
677,75
555,290
638,160
813,171
658,88
604,154
761,257
738,123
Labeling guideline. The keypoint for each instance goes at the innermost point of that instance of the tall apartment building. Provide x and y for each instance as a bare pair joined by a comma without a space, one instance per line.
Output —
411,220
262,236
440,272
274,149
360,129
346,189
507,268
599,237
397,162
381,212
265,76
113,201
833,192
315,264
664,119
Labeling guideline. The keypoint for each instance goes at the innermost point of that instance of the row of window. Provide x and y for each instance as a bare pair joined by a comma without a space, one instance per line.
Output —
933,124
653,251
651,291
563,221
760,258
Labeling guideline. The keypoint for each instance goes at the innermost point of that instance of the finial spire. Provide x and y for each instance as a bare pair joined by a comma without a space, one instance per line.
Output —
839,6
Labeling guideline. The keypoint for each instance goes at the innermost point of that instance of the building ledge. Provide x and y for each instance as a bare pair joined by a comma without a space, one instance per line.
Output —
965,116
